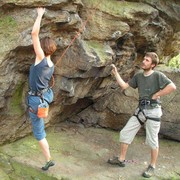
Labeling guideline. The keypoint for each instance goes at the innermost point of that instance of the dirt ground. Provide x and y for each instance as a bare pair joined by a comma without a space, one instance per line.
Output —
82,153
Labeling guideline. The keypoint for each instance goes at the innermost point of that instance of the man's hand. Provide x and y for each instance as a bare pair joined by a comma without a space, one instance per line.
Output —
120,81
155,96
167,90
114,69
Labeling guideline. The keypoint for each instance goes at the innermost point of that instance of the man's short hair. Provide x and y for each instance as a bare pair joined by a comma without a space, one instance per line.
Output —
154,57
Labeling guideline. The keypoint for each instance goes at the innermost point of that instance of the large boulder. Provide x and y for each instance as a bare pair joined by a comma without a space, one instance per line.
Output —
118,32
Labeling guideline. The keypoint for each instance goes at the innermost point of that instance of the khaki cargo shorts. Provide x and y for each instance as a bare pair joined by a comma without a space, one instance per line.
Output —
152,127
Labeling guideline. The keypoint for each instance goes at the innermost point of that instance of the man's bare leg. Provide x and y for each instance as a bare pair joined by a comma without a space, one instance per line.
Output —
123,151
154,156
150,170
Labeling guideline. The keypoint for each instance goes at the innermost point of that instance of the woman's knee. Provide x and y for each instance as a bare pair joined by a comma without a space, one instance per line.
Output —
38,129
39,135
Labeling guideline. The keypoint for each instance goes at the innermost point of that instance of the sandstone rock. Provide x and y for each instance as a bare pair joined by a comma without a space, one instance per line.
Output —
116,32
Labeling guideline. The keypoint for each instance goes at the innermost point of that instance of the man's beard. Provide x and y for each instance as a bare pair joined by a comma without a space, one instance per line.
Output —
146,68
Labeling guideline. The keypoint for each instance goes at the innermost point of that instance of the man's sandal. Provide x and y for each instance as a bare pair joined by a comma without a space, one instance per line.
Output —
116,161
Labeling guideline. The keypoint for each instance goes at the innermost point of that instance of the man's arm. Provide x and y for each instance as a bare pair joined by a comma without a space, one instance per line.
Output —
35,35
120,81
167,90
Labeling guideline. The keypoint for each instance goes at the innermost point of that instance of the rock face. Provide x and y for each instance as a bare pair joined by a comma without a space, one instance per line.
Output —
118,32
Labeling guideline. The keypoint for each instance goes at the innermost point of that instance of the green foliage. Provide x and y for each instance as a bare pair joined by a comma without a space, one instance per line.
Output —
175,62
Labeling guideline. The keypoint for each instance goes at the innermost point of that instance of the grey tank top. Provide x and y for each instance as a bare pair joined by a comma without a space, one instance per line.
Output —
40,75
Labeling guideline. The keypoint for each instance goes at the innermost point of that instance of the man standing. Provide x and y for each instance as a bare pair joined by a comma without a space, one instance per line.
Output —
151,86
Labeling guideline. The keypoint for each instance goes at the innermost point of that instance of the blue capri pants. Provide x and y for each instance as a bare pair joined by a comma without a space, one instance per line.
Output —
38,126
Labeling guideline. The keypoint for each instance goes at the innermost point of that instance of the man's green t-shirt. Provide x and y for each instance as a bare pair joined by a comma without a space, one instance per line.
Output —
149,85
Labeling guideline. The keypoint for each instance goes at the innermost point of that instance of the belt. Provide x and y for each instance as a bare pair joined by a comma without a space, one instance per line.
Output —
146,102
37,93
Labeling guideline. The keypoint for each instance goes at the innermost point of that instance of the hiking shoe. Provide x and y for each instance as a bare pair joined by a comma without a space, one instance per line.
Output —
149,172
47,165
116,161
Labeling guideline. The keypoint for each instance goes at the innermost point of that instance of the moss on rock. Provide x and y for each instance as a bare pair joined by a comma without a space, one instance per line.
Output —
103,52
15,106
7,22
27,172
117,8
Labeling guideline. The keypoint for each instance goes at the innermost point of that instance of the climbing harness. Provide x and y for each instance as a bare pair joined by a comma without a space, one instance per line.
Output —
37,93
43,107
146,104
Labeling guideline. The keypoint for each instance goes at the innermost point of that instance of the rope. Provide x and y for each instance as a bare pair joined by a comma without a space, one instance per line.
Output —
76,36
72,41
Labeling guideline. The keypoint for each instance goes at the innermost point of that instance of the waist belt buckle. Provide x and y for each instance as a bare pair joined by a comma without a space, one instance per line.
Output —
31,93
148,102
145,102
39,93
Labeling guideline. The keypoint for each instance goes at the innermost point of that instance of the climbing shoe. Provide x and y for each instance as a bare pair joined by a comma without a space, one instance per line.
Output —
116,161
149,172
47,165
